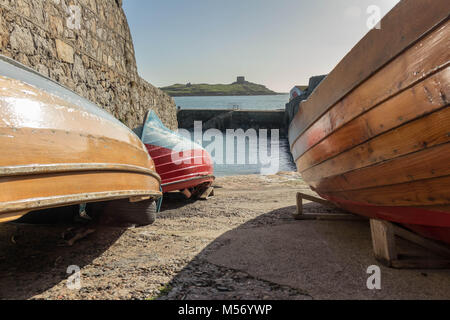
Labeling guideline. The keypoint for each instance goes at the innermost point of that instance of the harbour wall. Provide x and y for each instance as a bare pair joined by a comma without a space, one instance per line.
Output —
223,119
85,45
232,119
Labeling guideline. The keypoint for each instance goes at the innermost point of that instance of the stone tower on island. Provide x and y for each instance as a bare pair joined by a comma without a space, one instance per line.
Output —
240,80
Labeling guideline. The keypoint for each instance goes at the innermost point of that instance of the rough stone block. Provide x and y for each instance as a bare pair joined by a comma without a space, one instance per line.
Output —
65,52
22,40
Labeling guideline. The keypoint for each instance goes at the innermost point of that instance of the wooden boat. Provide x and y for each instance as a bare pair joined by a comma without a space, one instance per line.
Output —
59,149
181,163
374,137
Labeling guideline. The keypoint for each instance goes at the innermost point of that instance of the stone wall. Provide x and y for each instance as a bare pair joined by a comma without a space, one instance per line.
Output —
85,45
232,119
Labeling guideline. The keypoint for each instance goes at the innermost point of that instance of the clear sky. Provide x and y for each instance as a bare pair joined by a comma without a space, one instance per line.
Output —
278,43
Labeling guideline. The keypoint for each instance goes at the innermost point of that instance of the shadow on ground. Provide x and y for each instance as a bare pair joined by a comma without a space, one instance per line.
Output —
175,200
233,246
277,257
35,258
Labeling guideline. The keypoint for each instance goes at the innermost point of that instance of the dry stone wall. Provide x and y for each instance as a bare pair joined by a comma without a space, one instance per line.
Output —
85,45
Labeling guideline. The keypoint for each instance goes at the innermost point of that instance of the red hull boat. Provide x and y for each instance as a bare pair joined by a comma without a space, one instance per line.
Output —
181,163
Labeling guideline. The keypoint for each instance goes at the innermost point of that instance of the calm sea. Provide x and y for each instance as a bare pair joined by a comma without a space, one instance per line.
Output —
231,102
284,162
284,158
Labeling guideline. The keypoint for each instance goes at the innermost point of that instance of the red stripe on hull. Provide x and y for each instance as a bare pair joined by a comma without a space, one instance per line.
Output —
174,176
429,223
181,185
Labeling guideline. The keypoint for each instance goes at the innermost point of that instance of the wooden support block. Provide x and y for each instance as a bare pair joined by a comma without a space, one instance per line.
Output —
187,193
315,199
302,216
440,249
209,192
301,196
139,199
383,241
299,205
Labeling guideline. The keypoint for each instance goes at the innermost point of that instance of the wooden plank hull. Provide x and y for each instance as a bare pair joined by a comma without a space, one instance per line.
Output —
181,163
378,143
59,149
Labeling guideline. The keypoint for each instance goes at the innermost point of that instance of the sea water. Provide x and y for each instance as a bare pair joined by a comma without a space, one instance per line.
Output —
283,163
274,102
283,159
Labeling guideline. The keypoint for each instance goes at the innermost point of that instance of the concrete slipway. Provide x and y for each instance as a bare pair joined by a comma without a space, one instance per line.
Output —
241,244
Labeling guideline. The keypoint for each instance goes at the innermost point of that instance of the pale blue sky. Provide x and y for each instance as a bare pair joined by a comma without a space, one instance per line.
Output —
278,43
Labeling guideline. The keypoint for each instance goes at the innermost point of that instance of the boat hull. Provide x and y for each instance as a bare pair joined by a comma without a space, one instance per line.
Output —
195,168
429,222
377,143
181,163
58,149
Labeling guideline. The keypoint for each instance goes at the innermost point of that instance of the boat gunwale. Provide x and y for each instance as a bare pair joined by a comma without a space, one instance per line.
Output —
37,169
209,176
360,82
32,204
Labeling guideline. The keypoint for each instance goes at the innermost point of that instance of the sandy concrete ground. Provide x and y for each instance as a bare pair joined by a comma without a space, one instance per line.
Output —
241,244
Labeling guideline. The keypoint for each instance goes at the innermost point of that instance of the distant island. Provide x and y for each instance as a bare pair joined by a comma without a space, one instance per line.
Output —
238,88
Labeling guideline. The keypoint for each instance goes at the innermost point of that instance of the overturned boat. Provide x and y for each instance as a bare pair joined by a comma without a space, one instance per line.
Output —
374,137
59,149
182,164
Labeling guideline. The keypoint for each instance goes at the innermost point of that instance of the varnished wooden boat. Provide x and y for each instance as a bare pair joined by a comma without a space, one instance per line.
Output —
374,137
58,149
181,163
